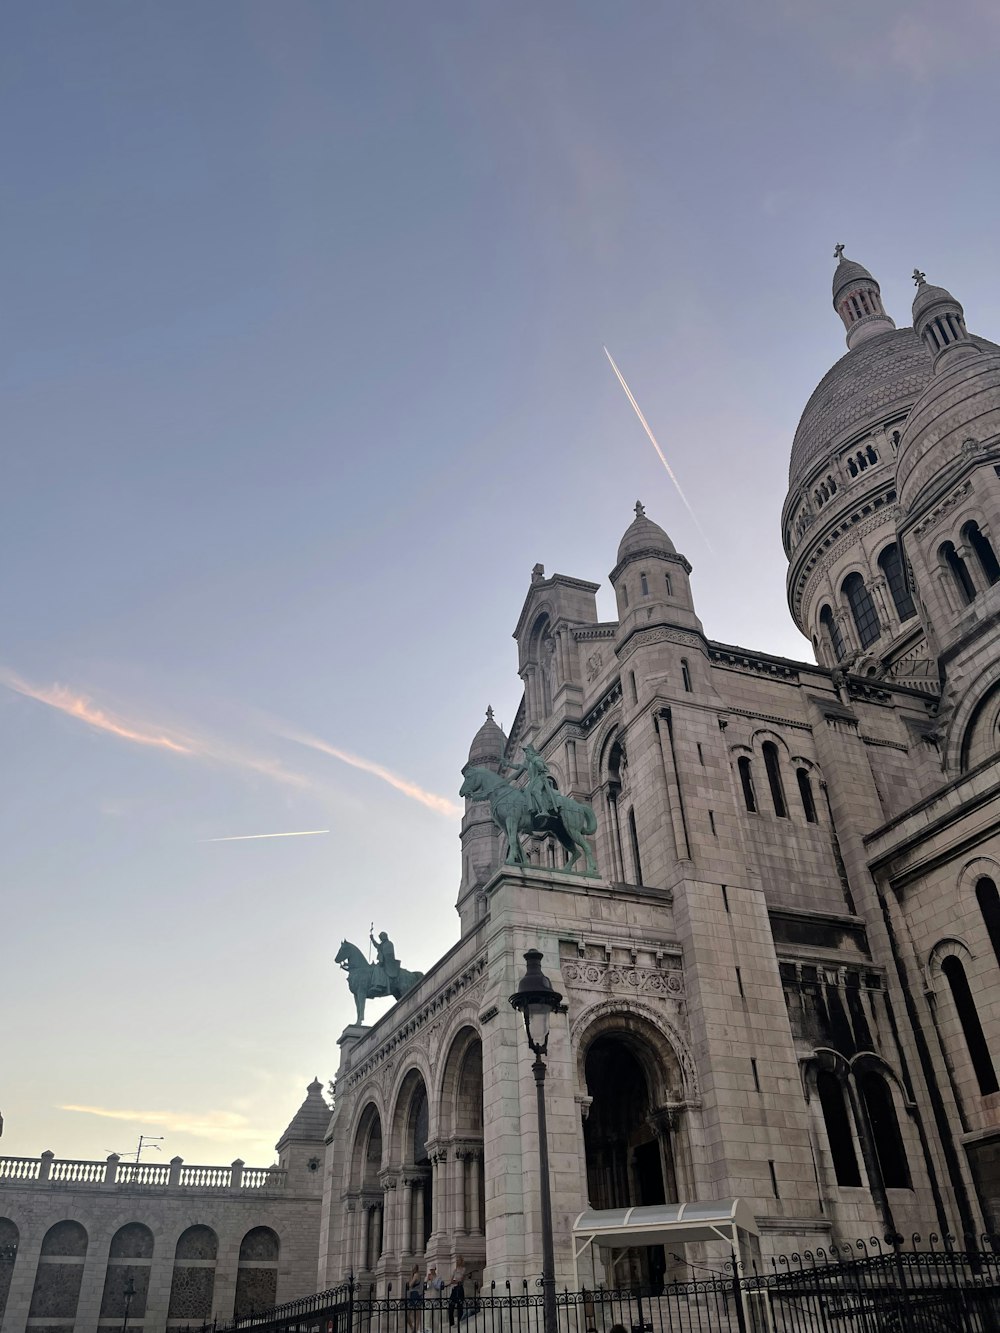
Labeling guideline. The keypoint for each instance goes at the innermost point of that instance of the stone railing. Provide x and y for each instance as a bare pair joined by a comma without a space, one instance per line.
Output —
48,1171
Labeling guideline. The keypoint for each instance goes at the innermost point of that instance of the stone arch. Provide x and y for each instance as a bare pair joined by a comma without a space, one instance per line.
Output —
951,946
192,1288
410,1125
257,1272
366,1148
59,1274
415,1067
130,1257
461,1117
762,734
10,1238
669,1061
974,733
872,1062
600,748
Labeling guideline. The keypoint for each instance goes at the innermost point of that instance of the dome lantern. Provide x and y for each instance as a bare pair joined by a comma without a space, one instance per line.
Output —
939,321
857,299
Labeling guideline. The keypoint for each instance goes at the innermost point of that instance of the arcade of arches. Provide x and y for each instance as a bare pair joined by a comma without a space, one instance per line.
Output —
417,1188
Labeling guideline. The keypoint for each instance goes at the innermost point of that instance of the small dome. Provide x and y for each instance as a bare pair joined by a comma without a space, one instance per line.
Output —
488,743
959,408
848,270
927,296
643,535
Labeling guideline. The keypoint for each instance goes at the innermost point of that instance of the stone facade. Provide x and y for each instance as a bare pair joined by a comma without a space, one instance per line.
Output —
784,984
199,1243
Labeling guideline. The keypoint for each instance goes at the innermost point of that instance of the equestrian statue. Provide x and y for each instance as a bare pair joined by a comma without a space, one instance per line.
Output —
371,981
538,808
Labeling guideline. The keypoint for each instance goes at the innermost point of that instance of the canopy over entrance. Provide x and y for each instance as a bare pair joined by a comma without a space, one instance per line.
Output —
665,1223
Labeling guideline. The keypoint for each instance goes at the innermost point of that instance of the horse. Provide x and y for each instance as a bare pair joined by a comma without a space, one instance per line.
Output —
511,811
360,978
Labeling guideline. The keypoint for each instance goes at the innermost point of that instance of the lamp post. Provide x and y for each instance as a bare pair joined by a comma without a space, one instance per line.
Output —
536,1001
128,1292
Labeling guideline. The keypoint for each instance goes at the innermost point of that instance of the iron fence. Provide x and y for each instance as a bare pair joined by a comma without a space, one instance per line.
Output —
868,1287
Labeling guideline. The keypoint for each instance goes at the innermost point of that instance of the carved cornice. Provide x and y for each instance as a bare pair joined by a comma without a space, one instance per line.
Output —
733,659
584,633
440,1000
637,980
660,634
770,717
949,503
611,696
651,553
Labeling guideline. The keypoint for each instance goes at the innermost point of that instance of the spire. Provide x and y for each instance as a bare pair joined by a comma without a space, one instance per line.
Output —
857,299
310,1121
939,321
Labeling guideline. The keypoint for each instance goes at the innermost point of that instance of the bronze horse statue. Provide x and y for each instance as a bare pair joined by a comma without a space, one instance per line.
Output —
367,981
514,812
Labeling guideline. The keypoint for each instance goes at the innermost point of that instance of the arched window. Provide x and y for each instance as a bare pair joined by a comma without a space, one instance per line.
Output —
772,768
806,793
625,595
838,1128
634,840
193,1285
746,779
644,585
989,904
129,1260
963,580
891,564
985,554
887,1142
832,632
972,1029
257,1273
9,1238
862,608
685,675
59,1274
670,589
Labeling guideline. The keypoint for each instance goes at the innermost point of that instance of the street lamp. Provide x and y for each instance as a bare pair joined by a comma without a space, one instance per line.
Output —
536,1002
128,1292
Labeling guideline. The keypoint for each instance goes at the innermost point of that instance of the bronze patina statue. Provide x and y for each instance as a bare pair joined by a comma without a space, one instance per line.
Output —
371,981
536,808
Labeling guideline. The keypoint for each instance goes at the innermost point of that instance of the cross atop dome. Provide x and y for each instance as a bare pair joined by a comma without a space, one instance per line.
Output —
640,509
489,712
838,250
918,277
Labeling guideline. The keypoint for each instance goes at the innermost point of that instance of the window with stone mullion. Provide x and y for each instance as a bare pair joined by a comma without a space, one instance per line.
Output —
892,567
862,609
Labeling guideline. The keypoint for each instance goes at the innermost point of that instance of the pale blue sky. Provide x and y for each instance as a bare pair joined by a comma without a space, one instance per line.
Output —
302,372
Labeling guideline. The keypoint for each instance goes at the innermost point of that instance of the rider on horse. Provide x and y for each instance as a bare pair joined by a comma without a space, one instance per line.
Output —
385,969
540,787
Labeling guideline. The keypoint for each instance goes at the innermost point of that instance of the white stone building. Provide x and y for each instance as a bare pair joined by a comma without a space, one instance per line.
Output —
785,984
197,1242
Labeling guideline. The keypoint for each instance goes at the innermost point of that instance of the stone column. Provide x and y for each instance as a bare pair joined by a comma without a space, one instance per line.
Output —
458,1191
439,1167
409,1182
420,1240
350,1225
390,1221
475,1192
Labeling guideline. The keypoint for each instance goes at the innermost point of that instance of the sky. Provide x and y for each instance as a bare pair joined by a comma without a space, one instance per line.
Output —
303,309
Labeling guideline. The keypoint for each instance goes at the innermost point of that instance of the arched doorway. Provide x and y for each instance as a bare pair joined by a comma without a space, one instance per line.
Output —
461,1121
628,1147
365,1241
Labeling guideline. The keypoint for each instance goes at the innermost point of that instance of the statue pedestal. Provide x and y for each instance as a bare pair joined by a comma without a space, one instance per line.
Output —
352,1033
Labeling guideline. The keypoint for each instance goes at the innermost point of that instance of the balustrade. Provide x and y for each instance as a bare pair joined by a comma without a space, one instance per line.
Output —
205,1177
114,1174
78,1172
19,1168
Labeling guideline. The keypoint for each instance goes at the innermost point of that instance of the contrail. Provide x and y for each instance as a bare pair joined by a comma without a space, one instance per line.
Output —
653,442
430,799
251,837
80,707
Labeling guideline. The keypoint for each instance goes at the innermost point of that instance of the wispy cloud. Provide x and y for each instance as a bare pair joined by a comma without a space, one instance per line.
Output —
205,1124
114,722
83,709
441,804
252,837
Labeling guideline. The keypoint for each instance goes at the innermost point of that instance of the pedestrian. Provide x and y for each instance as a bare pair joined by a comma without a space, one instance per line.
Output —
414,1298
456,1296
434,1285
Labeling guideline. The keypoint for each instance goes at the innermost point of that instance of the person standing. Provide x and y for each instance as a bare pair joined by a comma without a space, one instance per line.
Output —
456,1296
414,1298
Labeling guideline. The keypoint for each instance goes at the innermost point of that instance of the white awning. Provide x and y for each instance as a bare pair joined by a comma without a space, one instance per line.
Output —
664,1223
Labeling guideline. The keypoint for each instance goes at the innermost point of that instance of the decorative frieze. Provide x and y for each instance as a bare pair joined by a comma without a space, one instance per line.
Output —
612,976
945,507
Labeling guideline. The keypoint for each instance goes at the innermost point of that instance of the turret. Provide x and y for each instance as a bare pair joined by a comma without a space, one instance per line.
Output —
301,1148
857,299
651,581
480,837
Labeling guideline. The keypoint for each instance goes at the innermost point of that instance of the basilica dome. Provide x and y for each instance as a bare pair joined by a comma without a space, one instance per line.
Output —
878,377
